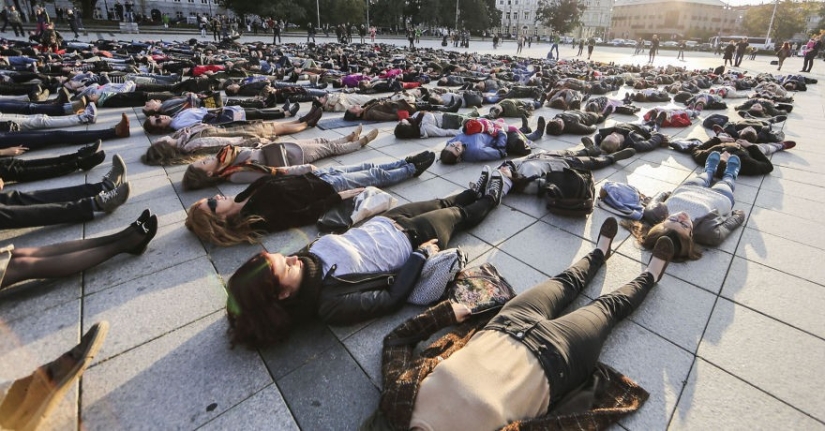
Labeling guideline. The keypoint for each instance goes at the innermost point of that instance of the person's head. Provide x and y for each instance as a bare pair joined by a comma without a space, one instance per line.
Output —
749,134
232,89
406,130
786,45
558,103
480,86
496,111
353,113
612,143
259,295
451,154
151,107
201,174
555,127
218,220
157,124
678,227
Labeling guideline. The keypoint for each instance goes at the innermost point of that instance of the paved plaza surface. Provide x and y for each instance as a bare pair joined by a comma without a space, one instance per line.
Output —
735,340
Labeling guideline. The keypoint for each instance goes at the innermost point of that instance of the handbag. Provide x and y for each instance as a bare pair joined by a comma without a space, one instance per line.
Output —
480,289
439,270
337,219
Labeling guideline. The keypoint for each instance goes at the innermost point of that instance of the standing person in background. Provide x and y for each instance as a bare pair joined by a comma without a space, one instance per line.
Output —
581,48
70,17
15,21
519,45
591,43
311,32
654,48
783,53
729,50
681,54
276,32
556,41
814,46
741,49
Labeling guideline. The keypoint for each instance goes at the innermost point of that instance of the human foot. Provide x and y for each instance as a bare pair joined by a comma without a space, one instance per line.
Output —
117,173
356,134
421,161
369,137
147,229
122,128
480,186
608,231
663,252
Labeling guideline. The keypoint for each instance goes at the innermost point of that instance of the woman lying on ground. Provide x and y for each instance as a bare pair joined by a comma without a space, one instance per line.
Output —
36,139
245,165
270,292
72,257
698,212
191,143
294,196
432,124
160,124
525,367
19,170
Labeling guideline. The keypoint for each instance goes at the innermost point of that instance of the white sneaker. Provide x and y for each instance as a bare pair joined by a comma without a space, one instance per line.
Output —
89,115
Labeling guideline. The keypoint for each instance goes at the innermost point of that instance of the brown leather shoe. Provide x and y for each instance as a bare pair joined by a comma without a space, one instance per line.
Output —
122,128
31,399
609,229
663,250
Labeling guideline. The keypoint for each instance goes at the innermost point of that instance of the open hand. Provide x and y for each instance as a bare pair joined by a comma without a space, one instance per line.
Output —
13,151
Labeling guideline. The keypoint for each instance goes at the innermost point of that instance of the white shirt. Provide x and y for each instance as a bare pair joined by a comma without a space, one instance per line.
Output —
376,246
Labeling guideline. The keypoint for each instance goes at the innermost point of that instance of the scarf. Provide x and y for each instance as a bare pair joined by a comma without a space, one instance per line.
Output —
226,166
304,305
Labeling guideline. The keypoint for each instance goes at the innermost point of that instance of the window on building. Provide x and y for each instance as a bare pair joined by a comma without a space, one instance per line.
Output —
179,14
526,15
507,15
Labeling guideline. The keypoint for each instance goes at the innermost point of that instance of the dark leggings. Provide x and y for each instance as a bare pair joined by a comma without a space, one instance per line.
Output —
440,218
568,346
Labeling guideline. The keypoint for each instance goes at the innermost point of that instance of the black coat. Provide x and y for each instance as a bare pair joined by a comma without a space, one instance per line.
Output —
287,201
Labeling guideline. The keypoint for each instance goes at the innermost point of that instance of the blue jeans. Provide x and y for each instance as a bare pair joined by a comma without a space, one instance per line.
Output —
724,187
367,174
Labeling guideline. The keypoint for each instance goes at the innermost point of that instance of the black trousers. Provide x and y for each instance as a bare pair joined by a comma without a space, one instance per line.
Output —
18,170
568,346
48,207
440,218
38,139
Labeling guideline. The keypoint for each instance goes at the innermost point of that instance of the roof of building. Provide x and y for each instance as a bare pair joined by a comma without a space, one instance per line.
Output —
638,2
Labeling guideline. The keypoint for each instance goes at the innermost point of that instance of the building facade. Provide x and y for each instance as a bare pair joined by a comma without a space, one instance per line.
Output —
674,19
596,19
518,17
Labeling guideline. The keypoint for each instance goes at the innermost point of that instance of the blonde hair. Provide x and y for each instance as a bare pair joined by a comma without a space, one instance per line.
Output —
647,236
218,230
163,153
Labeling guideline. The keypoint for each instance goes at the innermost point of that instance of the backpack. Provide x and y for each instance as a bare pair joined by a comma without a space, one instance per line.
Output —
570,192
517,144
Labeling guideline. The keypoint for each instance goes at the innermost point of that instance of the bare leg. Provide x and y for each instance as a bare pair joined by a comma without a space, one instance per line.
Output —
280,129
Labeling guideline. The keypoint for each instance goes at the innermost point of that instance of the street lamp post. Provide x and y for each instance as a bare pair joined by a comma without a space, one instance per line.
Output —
770,26
318,11
456,15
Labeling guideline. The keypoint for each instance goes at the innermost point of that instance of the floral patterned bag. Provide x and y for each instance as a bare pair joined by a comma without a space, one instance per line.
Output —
481,289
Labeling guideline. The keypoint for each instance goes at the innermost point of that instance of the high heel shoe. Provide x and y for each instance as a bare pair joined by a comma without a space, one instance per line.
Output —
149,229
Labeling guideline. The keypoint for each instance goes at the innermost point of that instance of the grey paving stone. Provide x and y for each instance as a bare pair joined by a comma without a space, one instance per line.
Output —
172,245
366,345
767,354
787,226
713,399
808,207
501,223
265,410
148,307
805,177
307,341
782,254
181,380
558,255
33,297
520,276
655,364
329,392
36,340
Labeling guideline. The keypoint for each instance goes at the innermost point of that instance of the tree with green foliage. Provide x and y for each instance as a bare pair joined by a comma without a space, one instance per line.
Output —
790,19
560,15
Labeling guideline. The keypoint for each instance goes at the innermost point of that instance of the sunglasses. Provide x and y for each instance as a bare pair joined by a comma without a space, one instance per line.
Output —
212,203
684,223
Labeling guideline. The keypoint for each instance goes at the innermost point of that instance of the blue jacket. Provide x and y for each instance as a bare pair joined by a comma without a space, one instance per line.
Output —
623,198
481,147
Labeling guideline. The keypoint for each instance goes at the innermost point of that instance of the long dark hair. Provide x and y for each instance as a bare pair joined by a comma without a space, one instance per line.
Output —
257,317
407,131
